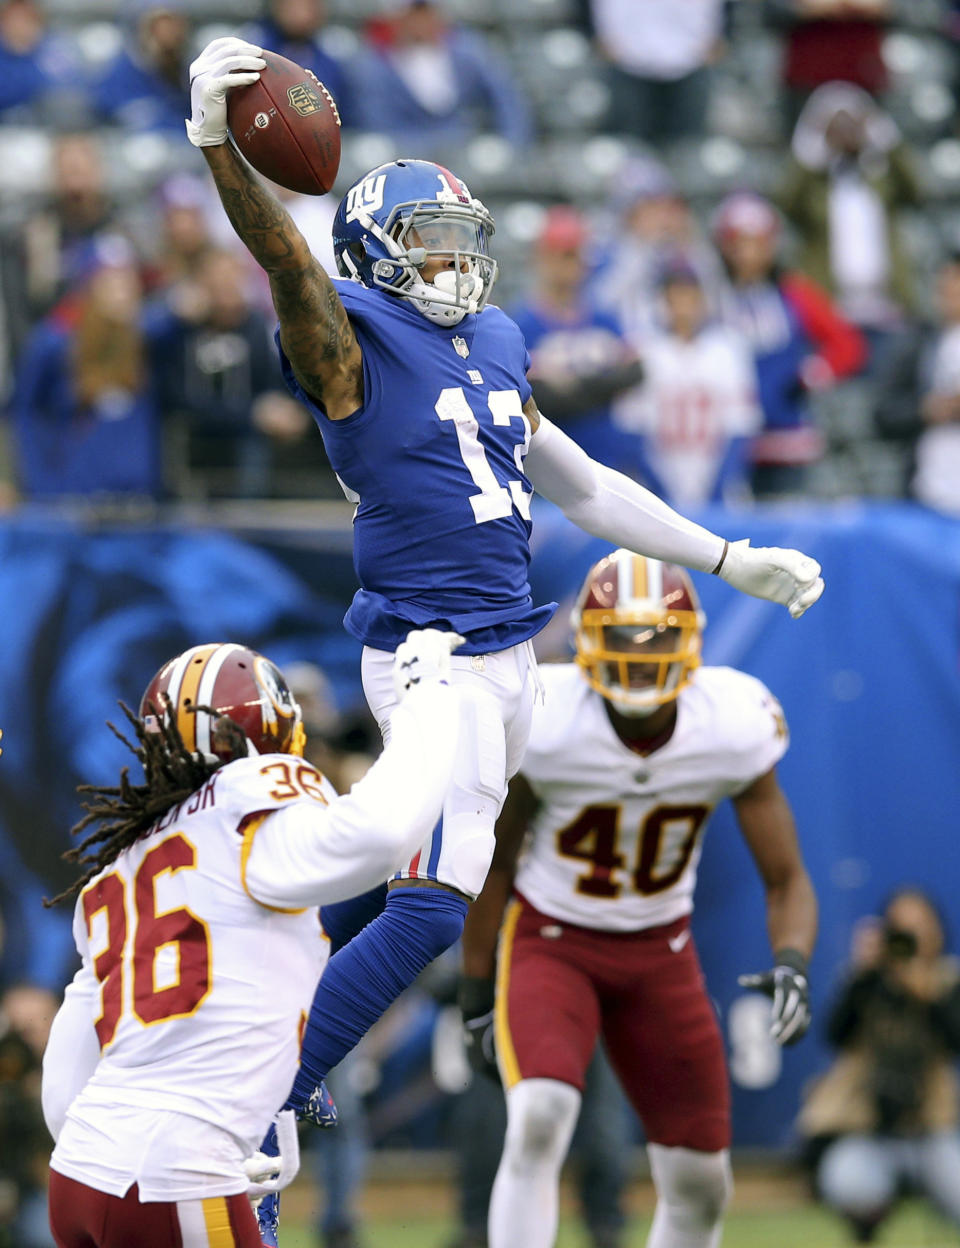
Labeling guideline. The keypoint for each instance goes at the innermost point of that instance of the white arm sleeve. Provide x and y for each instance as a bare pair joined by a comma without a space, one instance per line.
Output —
72,1051
309,856
607,504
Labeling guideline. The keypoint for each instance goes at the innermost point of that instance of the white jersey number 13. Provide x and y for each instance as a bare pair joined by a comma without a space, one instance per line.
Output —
495,500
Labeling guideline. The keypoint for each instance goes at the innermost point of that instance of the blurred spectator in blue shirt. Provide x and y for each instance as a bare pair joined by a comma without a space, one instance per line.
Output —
40,78
801,343
579,358
294,29
86,417
425,81
146,87
651,225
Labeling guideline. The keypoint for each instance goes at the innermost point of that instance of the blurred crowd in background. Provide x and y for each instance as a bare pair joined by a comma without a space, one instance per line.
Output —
732,240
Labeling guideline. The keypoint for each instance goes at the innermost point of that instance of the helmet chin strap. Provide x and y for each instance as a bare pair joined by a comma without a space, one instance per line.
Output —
446,282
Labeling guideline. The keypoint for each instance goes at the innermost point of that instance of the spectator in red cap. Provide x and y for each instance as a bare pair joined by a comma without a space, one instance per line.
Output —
801,343
580,360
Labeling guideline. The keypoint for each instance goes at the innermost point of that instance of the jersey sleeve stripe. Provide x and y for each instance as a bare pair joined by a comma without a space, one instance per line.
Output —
250,827
506,1055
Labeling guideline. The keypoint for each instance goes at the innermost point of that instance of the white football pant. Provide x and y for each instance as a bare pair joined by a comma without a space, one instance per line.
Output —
499,689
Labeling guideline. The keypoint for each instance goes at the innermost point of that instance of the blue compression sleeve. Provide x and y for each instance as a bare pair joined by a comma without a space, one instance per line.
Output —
344,919
369,973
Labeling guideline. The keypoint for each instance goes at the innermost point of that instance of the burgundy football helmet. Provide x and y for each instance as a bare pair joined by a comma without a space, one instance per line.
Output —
236,682
637,625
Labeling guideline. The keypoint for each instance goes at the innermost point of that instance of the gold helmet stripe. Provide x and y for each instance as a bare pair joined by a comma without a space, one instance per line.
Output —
186,700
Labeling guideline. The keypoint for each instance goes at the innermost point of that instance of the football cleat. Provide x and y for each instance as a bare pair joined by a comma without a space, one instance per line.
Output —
268,1220
637,627
319,1108
238,684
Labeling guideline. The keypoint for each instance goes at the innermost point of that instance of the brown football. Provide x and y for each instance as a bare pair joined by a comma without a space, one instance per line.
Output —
287,126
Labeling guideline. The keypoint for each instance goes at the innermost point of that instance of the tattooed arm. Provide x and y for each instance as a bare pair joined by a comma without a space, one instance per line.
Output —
316,334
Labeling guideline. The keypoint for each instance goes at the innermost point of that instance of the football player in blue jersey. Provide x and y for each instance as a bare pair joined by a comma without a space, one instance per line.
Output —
419,388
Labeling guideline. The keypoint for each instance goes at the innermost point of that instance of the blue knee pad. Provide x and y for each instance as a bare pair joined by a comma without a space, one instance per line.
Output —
369,973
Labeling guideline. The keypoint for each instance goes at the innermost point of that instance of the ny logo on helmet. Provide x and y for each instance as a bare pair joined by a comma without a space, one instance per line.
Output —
365,197
304,98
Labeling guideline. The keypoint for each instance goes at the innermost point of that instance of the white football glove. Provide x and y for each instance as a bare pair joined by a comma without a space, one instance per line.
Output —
266,1175
784,576
425,655
223,64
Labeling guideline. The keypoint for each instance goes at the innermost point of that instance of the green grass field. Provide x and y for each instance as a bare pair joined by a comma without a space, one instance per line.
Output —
795,1225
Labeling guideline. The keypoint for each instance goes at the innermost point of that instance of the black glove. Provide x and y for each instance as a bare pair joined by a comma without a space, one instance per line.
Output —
787,985
475,996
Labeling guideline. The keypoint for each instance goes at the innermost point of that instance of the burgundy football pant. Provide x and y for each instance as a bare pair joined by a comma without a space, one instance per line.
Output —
81,1217
560,987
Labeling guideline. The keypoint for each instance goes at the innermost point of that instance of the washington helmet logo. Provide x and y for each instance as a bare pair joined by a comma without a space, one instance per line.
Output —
305,99
276,700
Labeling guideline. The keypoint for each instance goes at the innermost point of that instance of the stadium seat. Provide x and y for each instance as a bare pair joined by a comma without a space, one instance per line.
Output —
24,162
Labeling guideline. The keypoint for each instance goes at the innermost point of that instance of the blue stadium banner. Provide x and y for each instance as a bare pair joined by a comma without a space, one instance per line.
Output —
868,680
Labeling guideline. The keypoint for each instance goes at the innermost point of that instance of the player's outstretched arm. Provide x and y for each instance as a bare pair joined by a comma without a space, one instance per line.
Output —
305,855
317,335
610,505
766,822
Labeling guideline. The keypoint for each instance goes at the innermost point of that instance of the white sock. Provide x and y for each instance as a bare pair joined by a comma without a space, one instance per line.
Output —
693,1189
541,1115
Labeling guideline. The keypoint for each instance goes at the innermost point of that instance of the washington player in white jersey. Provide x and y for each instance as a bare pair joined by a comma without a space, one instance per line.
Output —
634,747
200,940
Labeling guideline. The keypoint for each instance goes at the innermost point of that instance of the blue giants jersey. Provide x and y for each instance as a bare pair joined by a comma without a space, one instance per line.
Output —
435,458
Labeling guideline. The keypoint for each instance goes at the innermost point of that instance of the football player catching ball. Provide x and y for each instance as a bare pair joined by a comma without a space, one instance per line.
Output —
419,387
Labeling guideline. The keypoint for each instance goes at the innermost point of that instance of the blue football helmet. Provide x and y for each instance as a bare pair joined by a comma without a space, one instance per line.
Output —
399,215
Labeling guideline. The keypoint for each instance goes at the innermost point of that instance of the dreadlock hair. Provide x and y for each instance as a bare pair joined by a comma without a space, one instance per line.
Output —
127,811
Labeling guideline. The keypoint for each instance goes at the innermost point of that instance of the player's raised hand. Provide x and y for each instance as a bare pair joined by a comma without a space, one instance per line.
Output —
424,656
789,990
785,576
224,63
